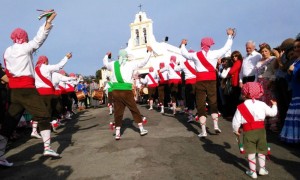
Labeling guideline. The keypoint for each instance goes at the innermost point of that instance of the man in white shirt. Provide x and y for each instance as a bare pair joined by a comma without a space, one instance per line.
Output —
247,73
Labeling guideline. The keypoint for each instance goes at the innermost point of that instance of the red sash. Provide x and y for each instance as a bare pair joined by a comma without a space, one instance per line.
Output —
19,82
205,76
154,84
44,91
190,68
173,66
70,88
251,123
161,78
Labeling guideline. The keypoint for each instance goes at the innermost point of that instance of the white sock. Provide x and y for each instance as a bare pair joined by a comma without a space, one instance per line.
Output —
215,120
202,120
141,127
262,160
34,127
46,136
252,162
151,104
118,131
162,109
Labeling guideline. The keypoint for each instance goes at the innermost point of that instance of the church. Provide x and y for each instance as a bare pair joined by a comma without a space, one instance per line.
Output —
141,30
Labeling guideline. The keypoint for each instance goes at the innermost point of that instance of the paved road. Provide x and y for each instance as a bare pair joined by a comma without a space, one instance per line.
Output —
171,150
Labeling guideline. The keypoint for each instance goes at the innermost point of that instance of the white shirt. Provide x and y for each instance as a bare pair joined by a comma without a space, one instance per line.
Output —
182,67
212,55
147,79
248,65
46,71
172,74
58,79
259,111
126,69
18,57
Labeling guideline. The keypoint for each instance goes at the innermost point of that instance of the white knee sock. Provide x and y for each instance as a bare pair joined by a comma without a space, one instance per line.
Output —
252,162
151,104
262,160
34,127
215,119
203,123
46,136
141,127
118,131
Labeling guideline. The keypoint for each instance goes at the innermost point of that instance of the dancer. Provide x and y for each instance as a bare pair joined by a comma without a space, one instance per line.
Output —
205,63
43,77
174,83
151,80
163,87
251,115
108,89
20,71
188,67
122,71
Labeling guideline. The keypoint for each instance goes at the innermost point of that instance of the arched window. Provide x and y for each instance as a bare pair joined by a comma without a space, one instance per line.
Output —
137,37
145,35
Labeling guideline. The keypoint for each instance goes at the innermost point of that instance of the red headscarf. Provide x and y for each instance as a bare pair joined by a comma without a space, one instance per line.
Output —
206,43
19,36
253,90
42,60
161,65
173,59
72,75
151,69
62,72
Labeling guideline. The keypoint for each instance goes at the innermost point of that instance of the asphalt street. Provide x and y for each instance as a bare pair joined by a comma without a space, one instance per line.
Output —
171,150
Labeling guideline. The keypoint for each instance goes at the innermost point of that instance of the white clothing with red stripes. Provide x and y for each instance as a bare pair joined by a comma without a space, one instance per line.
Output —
189,75
259,110
172,74
57,78
19,62
46,71
147,80
212,55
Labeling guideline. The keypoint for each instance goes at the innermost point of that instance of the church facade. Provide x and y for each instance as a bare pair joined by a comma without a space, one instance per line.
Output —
141,31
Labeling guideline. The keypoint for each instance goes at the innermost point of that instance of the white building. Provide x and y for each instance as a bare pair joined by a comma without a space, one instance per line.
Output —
141,36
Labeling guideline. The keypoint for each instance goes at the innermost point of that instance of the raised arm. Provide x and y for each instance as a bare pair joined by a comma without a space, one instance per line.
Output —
106,61
146,59
41,35
61,64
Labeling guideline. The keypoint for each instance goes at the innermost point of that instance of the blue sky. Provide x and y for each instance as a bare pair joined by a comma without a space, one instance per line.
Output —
90,28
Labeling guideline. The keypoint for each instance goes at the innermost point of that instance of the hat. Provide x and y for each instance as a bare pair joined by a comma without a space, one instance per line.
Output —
151,69
19,36
72,75
252,90
206,43
173,59
161,65
41,60
286,44
62,72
